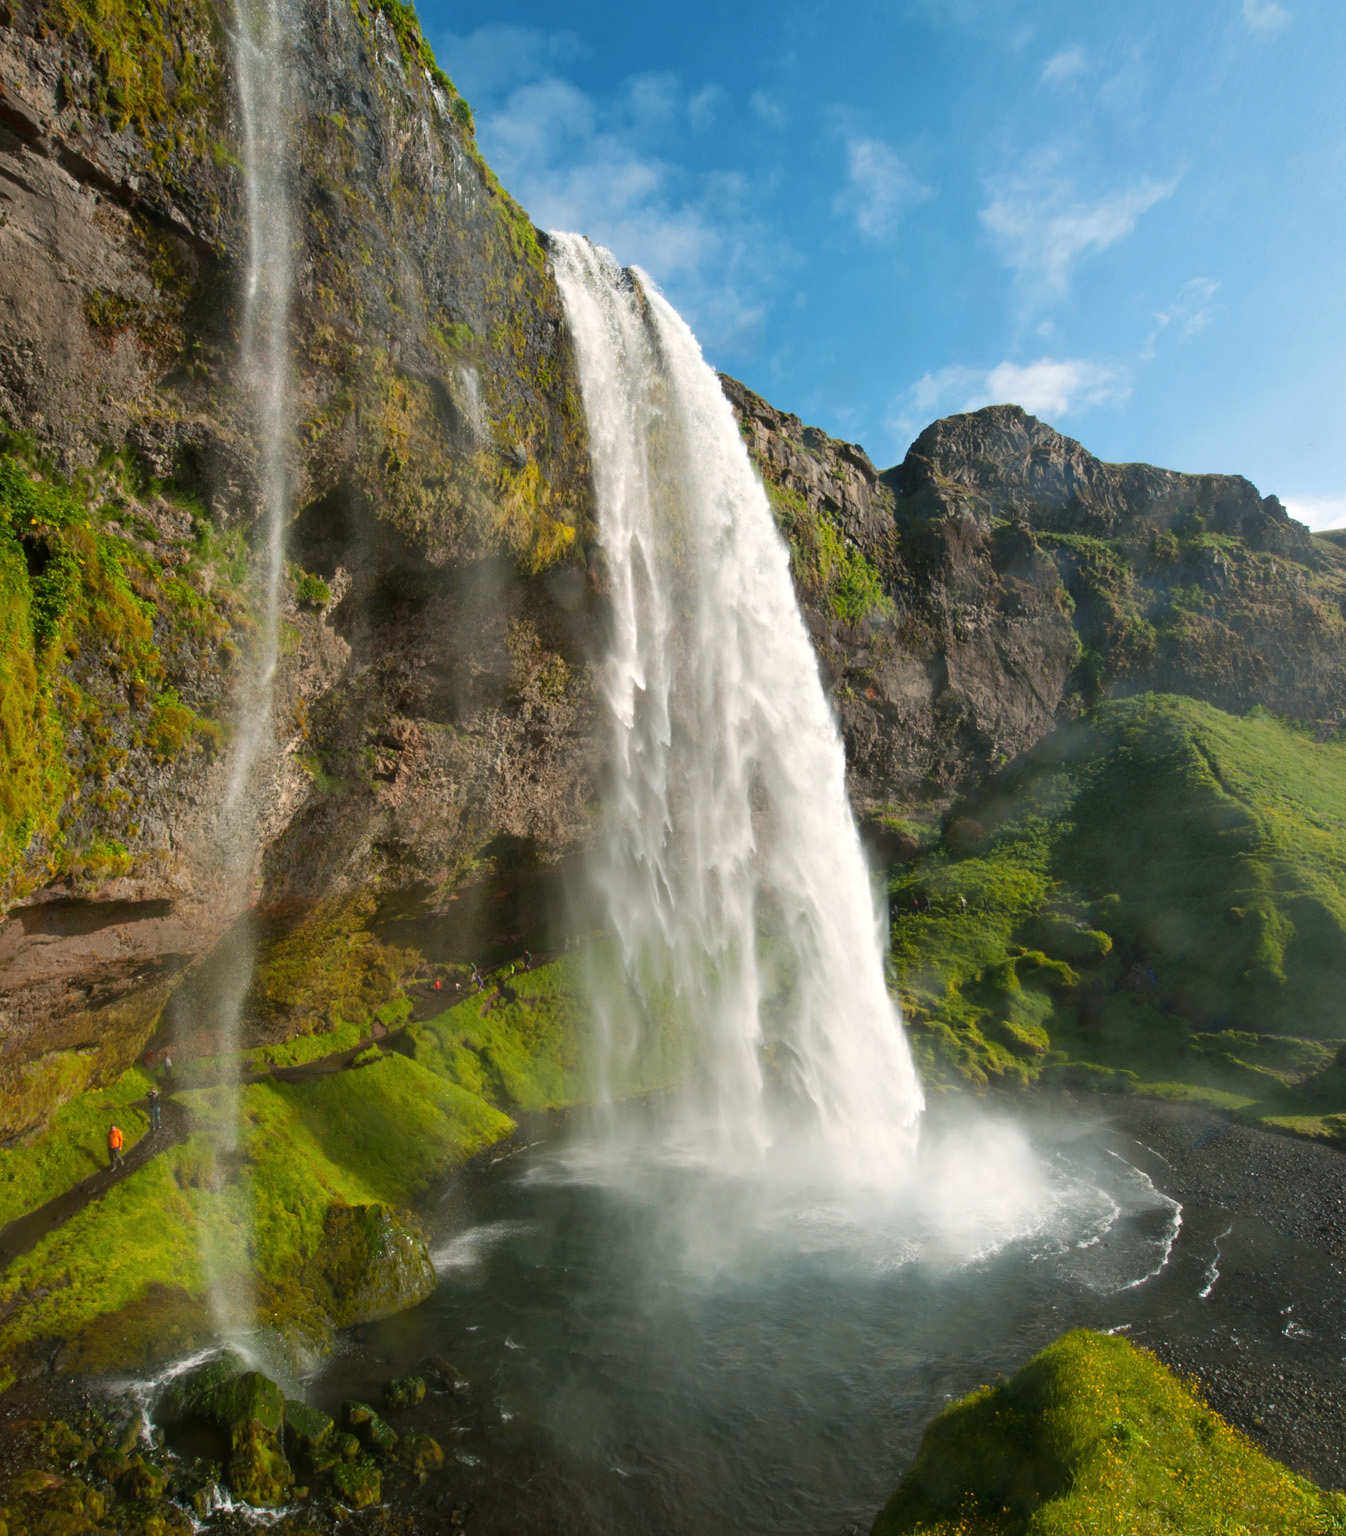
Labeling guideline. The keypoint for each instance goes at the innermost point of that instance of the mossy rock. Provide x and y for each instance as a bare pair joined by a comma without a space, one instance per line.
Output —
357,1483
217,1393
404,1392
141,1479
258,1472
373,1264
308,1430
419,1453
1095,1435
372,1430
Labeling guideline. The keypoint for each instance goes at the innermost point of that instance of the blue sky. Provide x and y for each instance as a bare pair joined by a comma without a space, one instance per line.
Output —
1130,218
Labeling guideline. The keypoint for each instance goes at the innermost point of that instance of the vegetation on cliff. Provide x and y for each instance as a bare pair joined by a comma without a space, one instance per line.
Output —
1095,1435
313,1210
102,633
1149,900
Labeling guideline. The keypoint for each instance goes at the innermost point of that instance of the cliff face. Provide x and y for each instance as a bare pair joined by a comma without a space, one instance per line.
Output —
431,700
433,746
1023,579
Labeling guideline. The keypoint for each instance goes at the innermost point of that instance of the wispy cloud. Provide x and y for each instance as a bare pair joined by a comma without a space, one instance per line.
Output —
1264,15
1192,310
1050,387
1064,66
609,167
1041,227
1318,512
767,109
879,188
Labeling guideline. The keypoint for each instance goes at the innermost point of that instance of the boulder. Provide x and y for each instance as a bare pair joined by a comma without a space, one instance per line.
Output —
357,1483
404,1392
419,1453
372,1430
308,1431
258,1472
373,1265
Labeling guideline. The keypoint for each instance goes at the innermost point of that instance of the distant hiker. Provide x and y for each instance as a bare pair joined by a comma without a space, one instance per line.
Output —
566,947
528,959
962,902
114,1147
154,1110
915,904
927,903
1151,978
168,1068
438,984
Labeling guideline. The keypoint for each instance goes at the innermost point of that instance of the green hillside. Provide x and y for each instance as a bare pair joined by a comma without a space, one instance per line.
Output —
1155,899
1094,1435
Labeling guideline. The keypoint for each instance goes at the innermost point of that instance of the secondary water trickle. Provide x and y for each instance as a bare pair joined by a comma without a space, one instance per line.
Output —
729,870
264,382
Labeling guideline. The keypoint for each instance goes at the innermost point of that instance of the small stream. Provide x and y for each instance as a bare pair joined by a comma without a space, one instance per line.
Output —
651,1349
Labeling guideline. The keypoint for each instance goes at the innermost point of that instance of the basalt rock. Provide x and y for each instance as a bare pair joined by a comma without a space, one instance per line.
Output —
371,1264
434,702
1025,579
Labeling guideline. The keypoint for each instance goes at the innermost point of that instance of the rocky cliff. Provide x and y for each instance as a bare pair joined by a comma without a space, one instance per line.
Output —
431,702
1009,580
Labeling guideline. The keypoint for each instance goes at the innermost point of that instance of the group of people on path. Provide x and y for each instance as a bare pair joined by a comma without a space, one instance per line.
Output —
116,1137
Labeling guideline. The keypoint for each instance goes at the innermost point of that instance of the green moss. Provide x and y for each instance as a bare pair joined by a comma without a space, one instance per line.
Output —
1160,837
525,1052
825,567
311,591
72,1146
1095,1435
90,624
155,68
327,972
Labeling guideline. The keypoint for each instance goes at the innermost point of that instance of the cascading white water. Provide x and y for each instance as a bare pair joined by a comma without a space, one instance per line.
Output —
264,352
729,868
264,377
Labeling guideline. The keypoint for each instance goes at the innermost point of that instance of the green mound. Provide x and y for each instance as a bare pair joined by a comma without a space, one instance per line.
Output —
1153,898
1095,1435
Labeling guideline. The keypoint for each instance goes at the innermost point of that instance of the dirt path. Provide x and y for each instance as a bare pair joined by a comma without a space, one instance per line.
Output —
26,1231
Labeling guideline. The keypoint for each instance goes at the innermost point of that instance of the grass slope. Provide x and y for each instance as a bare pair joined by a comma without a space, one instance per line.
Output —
124,1278
1094,1435
1155,899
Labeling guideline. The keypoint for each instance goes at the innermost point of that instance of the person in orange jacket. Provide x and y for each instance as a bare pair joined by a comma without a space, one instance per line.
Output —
114,1146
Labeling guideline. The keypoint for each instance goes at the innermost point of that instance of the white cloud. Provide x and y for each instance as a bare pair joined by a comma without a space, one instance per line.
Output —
703,106
494,58
606,167
768,109
1318,512
1191,311
1064,66
1264,15
1049,387
1041,228
879,188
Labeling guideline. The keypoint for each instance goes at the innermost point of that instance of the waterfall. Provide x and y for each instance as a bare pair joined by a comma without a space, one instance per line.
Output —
728,867
264,378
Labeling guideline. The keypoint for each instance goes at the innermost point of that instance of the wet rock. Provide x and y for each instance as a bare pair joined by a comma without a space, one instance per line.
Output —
347,1446
141,1479
372,1264
419,1453
258,1472
152,1518
357,1483
443,1375
308,1431
404,1392
194,1396
372,1430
